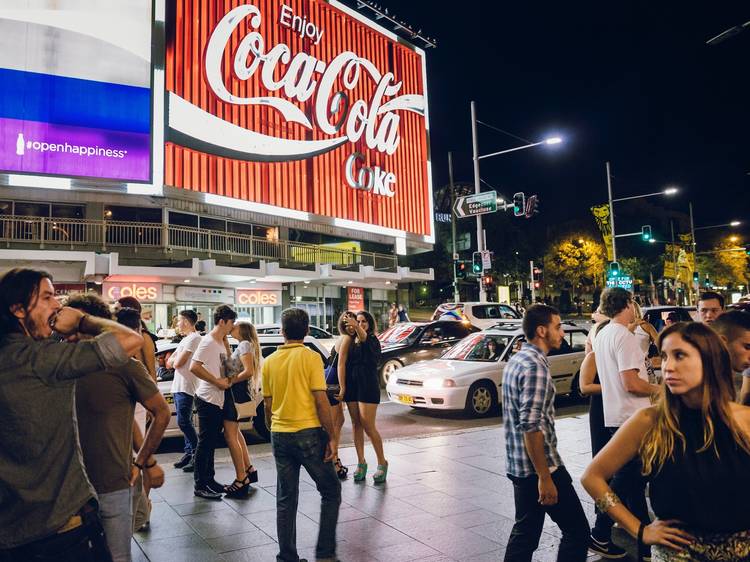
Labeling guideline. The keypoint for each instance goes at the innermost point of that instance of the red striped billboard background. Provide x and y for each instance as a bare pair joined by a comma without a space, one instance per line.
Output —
315,185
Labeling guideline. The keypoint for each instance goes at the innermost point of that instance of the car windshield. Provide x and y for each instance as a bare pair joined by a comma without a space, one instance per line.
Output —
400,334
479,347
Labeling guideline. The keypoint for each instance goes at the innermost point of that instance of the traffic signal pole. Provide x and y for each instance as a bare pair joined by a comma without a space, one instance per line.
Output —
456,295
611,214
477,190
531,276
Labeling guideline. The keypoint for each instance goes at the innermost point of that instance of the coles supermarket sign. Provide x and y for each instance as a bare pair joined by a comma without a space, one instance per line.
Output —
302,105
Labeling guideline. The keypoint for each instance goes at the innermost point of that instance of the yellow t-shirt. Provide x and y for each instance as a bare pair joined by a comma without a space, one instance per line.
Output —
290,375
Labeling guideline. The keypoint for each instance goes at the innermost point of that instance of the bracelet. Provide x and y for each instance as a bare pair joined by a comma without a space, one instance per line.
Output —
80,322
607,501
144,467
640,533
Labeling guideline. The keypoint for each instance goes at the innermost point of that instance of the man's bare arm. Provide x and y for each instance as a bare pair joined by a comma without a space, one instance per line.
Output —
636,385
197,368
71,322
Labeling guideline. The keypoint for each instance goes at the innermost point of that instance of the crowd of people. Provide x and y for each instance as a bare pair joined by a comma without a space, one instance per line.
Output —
83,417
681,437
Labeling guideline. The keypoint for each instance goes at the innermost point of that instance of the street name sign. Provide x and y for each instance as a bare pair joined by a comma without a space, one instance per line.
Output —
473,205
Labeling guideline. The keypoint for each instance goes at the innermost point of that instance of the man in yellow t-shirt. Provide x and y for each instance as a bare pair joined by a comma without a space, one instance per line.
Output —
296,406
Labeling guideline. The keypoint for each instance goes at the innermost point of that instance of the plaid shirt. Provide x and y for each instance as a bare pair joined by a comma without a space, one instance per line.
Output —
528,406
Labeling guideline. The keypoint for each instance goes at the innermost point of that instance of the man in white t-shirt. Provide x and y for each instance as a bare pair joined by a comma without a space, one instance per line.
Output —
620,363
208,366
183,385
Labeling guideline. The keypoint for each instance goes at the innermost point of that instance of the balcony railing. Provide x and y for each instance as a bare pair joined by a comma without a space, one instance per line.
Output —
103,234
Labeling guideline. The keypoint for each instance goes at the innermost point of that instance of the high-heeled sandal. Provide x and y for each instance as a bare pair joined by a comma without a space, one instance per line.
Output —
380,474
361,472
252,474
341,470
238,488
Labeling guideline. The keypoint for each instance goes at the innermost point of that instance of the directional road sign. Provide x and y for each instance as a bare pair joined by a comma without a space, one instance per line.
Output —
473,205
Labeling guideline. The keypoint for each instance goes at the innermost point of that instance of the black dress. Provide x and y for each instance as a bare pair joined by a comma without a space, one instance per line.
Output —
708,494
362,381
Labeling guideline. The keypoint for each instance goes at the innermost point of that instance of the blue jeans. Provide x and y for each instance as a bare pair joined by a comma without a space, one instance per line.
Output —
183,405
116,511
292,450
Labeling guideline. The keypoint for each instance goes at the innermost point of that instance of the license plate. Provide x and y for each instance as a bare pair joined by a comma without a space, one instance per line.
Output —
406,399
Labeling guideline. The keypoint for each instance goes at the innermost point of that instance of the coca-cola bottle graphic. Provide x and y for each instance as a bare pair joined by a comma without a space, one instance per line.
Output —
20,144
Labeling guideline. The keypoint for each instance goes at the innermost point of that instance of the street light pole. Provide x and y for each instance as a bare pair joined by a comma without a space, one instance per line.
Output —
611,213
694,291
456,296
477,190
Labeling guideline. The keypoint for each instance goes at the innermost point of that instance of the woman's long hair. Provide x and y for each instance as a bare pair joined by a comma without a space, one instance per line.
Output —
718,392
248,333
372,327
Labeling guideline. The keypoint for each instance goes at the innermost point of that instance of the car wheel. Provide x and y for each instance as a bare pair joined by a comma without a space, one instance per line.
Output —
481,401
388,369
259,423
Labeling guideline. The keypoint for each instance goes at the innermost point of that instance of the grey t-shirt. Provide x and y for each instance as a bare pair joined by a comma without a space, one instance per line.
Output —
42,478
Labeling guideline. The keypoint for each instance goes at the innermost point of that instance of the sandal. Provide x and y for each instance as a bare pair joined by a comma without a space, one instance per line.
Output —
252,474
341,470
361,472
238,488
380,474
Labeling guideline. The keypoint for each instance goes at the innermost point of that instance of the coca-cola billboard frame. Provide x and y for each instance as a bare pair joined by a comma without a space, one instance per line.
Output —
337,166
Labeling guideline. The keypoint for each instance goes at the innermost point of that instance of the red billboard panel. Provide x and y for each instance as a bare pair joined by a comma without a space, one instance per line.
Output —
302,105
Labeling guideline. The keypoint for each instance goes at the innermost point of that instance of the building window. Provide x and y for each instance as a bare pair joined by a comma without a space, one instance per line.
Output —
6,207
132,214
68,211
219,225
28,209
239,228
183,219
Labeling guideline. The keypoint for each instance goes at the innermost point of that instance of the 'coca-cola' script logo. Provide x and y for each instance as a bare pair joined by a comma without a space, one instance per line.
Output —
303,77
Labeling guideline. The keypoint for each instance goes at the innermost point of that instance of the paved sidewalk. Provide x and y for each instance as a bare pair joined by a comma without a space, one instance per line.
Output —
447,498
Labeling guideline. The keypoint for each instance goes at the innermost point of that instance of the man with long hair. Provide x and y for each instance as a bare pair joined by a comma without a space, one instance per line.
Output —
49,507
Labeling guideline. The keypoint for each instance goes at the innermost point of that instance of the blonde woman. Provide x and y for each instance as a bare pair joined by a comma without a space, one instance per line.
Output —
244,368
339,358
695,452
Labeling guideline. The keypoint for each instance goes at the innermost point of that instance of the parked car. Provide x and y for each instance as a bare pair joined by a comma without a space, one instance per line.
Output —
480,314
656,315
327,339
268,344
742,304
410,342
469,377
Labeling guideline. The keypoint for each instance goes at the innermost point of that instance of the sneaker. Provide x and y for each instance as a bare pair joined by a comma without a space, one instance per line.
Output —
206,493
183,462
606,549
190,466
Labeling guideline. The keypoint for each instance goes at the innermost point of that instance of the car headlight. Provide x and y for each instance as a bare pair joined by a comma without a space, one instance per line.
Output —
439,383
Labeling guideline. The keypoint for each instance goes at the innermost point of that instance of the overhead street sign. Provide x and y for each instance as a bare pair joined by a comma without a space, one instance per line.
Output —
622,281
473,205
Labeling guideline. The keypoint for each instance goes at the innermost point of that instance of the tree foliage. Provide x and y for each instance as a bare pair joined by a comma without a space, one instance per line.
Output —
725,268
575,260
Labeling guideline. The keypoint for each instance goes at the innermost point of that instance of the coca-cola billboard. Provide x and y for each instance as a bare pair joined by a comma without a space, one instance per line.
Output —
302,106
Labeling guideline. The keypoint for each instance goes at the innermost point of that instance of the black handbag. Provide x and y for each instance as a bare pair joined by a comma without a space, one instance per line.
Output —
332,374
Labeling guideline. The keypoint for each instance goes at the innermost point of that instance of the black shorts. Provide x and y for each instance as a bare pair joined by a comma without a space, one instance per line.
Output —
364,389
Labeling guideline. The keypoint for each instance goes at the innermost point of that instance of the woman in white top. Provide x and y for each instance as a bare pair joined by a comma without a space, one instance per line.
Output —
244,368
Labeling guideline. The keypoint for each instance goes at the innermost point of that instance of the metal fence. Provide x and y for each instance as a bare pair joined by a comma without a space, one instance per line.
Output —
102,234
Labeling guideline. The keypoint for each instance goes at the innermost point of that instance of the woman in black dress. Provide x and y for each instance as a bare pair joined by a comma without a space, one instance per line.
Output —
695,448
362,394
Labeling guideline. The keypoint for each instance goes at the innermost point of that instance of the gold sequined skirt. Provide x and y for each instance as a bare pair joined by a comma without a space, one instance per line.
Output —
709,547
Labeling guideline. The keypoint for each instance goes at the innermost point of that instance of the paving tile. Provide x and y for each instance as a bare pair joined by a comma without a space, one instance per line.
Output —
461,544
200,505
422,525
240,541
439,504
259,499
189,548
472,518
369,533
414,550
219,523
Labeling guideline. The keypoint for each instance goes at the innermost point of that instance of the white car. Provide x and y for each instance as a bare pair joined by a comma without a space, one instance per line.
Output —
268,344
483,315
325,338
469,377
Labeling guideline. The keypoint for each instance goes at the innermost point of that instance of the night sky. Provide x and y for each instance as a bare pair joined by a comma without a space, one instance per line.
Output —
631,82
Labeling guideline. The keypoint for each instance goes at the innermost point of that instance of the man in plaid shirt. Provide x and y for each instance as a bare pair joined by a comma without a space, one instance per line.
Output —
541,484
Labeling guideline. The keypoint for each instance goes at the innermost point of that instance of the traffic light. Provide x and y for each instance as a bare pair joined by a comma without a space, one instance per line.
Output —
614,269
708,282
532,206
747,250
696,277
646,233
460,268
487,281
537,284
476,263
519,204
